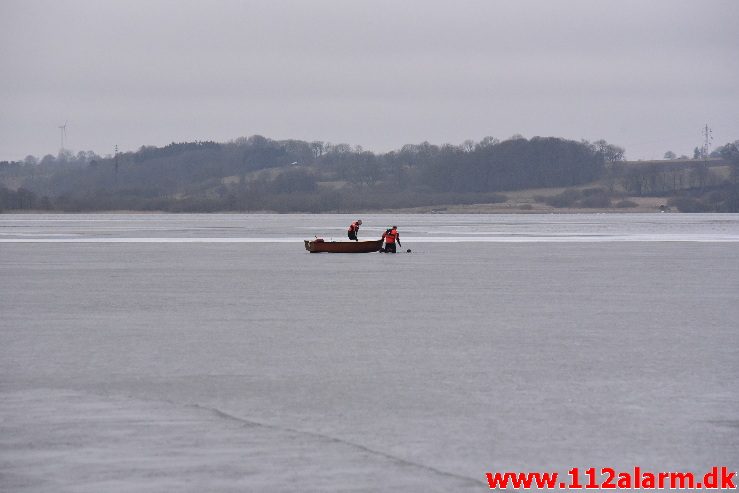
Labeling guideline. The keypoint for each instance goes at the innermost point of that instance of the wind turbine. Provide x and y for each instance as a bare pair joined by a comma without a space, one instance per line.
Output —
63,129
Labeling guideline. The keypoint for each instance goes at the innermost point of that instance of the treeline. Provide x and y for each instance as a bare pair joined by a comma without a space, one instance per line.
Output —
699,185
22,199
690,186
257,173
260,174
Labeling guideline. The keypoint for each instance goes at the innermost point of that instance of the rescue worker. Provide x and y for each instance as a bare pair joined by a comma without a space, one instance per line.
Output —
382,248
391,236
354,229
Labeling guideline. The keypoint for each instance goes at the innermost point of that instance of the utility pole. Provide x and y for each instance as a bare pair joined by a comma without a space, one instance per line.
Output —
702,168
707,133
63,131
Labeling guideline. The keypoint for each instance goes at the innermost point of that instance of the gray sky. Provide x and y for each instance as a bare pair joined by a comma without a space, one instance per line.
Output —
646,75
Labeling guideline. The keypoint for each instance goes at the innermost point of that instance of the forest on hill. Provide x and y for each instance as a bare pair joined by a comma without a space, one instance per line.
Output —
260,174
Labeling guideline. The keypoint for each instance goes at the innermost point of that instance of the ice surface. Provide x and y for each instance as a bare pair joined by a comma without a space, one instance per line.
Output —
433,228
54,440
175,366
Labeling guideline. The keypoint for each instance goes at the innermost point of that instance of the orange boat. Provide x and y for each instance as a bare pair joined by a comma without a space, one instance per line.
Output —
319,246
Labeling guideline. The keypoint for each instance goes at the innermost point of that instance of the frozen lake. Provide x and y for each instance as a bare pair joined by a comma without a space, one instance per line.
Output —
213,353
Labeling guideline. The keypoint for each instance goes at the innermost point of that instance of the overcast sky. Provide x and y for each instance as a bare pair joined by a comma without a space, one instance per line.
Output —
646,75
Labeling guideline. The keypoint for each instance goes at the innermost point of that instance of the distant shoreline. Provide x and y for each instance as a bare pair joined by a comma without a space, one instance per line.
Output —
518,202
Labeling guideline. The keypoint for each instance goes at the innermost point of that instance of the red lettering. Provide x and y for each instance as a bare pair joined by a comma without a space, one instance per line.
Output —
727,480
610,474
710,480
575,475
592,482
662,477
624,481
522,480
716,478
681,480
647,480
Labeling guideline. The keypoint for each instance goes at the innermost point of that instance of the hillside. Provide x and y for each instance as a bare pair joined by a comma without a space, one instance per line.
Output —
257,173
260,174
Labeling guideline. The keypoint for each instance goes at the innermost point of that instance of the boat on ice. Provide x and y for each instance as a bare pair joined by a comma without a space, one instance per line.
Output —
318,246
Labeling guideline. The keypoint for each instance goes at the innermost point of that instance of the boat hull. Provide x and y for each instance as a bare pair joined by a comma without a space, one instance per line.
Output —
343,246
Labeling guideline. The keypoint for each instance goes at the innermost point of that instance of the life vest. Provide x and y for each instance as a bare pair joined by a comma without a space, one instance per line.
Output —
353,227
390,236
